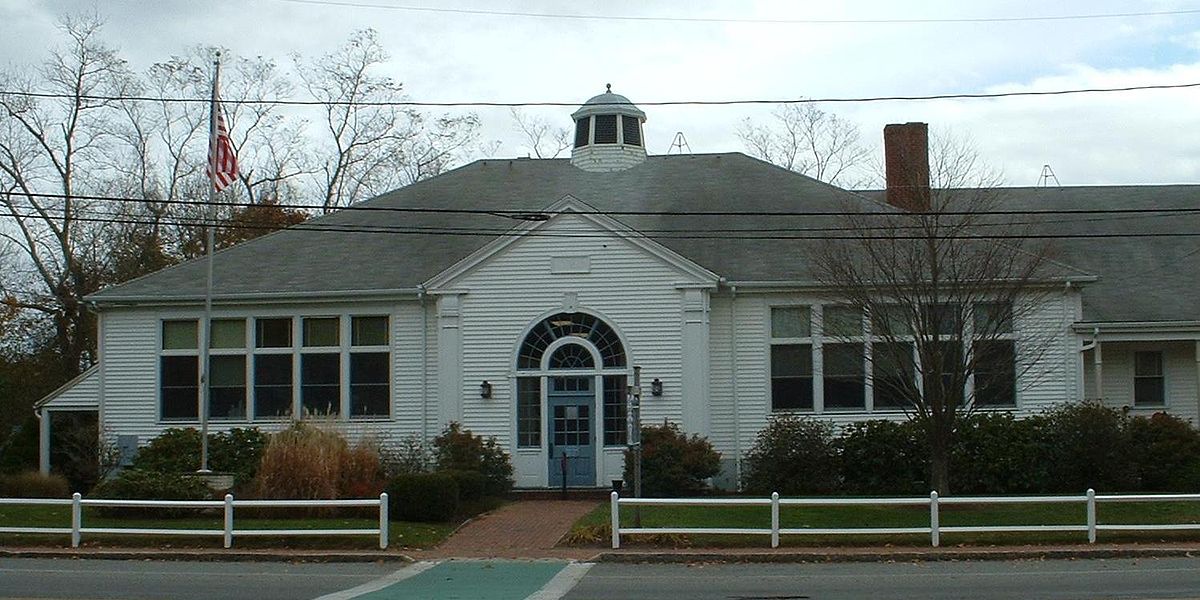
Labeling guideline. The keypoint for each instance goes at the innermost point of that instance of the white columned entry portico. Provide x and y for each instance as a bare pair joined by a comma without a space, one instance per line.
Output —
449,338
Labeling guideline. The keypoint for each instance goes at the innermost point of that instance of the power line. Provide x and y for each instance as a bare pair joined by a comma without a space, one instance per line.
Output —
592,234
492,104
521,214
733,20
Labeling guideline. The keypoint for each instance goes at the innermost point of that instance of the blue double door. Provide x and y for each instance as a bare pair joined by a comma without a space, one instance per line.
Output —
571,404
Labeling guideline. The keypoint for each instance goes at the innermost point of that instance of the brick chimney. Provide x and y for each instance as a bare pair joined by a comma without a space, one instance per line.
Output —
906,163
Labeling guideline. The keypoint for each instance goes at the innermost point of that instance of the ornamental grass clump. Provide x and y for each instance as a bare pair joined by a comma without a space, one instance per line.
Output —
308,462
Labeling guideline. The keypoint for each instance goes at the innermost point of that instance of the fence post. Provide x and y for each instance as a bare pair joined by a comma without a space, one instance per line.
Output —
76,519
1091,515
774,519
228,520
383,521
615,511
934,534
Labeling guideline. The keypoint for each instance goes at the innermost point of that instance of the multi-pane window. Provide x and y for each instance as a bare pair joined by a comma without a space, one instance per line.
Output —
260,382
179,371
995,373
791,358
369,367
529,412
1149,385
614,410
606,129
631,132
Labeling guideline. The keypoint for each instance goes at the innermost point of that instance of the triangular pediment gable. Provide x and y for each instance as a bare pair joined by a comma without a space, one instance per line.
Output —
690,272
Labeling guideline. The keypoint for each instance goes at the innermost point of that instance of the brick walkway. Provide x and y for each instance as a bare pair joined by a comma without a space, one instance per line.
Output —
522,529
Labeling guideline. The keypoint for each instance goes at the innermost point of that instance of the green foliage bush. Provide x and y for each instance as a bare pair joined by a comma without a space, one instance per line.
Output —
673,463
135,484
881,458
792,455
1166,450
996,453
457,449
427,497
472,485
177,450
1087,445
32,484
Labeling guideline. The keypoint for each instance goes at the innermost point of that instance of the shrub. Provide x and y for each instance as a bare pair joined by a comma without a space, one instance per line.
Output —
177,450
409,455
422,497
1086,445
881,458
996,453
19,452
673,464
458,449
32,484
472,485
134,484
1164,449
309,462
792,455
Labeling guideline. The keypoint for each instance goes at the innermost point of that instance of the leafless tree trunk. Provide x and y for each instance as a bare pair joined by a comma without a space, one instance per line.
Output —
945,304
810,141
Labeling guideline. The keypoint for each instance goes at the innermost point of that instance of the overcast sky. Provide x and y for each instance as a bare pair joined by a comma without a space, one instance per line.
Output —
1134,137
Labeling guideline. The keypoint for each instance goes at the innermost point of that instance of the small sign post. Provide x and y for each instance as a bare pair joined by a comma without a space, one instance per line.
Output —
633,436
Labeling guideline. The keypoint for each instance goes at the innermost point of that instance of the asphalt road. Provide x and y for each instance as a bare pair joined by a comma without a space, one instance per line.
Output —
1074,579
488,580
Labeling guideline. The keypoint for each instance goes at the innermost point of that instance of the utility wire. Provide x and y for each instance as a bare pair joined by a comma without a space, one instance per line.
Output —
527,214
580,16
489,104
592,234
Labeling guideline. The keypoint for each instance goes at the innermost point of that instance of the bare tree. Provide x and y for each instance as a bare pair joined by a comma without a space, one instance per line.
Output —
51,152
945,305
808,140
541,137
372,144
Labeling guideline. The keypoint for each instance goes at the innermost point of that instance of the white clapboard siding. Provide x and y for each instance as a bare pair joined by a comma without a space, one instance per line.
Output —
1179,375
1047,354
634,291
80,393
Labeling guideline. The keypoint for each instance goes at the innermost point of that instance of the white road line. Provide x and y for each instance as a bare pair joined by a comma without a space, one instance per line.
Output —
382,582
563,582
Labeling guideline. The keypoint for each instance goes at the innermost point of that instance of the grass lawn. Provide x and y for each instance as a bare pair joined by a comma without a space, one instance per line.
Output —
595,524
400,534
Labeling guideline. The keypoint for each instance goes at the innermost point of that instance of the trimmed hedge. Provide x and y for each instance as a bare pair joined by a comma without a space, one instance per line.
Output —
134,484
428,497
793,456
457,449
673,464
472,485
177,450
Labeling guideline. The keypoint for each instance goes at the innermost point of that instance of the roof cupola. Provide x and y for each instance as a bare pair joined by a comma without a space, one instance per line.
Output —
608,133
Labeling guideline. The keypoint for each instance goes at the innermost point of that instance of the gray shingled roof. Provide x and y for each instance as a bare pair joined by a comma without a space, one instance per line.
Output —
300,263
1140,278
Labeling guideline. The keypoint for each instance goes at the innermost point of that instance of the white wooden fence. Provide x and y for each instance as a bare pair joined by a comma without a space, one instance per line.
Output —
77,502
1089,501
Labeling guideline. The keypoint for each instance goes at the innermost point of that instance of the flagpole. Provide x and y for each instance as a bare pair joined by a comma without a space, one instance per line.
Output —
209,242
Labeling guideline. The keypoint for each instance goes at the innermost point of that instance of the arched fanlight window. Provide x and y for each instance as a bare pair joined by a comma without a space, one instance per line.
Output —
572,356
579,325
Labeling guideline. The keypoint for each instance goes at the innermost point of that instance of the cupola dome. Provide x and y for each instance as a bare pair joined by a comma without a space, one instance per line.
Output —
608,133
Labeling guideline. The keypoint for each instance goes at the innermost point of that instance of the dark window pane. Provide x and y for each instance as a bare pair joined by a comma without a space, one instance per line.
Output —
1147,364
891,321
842,321
630,130
320,389
321,331
272,385
179,335
995,373
227,396
993,318
228,333
791,322
369,384
273,333
1149,387
941,319
791,360
582,127
572,356
606,129
892,375
179,393
368,331
791,393
844,376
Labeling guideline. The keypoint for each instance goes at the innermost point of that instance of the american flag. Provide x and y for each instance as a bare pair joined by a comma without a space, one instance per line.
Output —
222,166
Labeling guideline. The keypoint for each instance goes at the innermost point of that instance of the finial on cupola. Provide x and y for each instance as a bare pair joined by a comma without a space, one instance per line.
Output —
608,88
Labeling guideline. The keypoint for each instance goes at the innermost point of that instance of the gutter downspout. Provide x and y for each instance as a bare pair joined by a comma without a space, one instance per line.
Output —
424,365
1097,362
43,418
733,370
